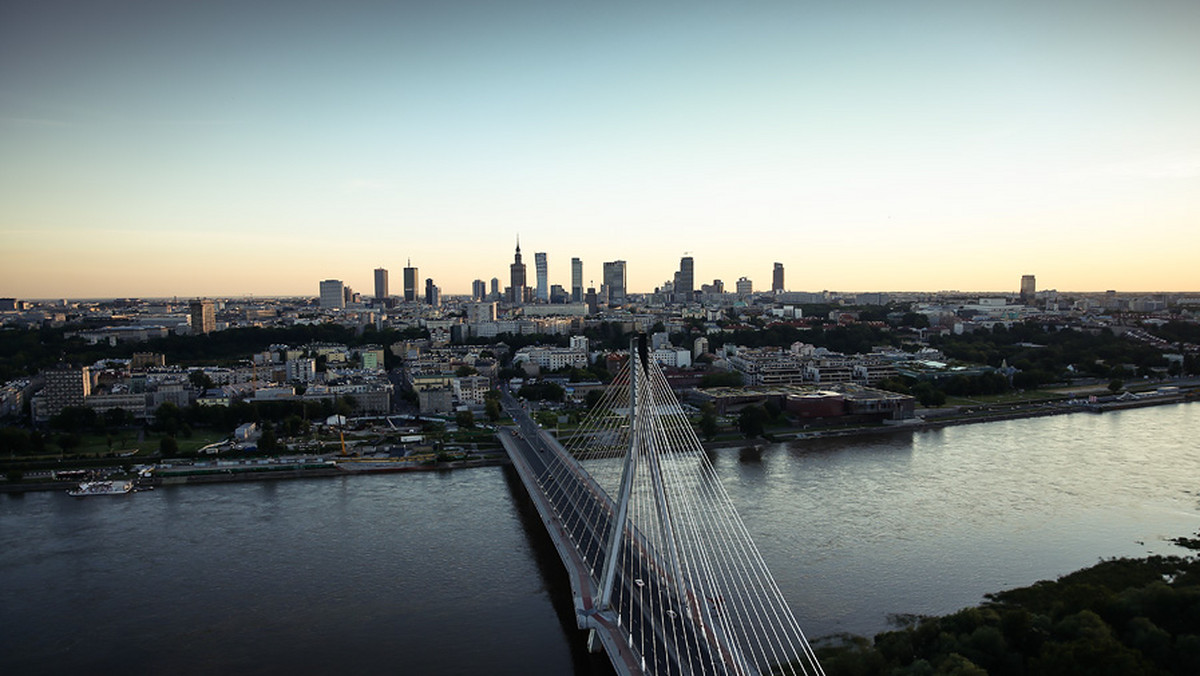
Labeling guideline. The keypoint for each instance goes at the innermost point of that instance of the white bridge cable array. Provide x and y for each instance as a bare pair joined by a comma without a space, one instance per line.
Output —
690,590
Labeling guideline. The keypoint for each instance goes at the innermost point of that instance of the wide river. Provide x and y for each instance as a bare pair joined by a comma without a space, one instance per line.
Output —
450,572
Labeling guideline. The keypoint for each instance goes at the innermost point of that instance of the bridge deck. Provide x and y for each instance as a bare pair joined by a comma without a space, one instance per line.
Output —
579,521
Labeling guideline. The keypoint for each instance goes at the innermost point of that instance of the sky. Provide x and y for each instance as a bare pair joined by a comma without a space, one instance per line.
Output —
166,148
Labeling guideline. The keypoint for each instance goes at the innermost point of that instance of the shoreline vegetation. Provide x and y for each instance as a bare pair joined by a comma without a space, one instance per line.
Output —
1121,616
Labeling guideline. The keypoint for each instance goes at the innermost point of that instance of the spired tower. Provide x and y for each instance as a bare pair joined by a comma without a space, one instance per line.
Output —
516,278
410,282
685,280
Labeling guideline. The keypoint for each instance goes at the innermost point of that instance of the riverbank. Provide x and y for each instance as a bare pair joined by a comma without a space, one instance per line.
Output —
1120,616
233,471
929,419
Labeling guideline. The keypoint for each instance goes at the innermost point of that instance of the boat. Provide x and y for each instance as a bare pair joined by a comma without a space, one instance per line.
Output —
87,488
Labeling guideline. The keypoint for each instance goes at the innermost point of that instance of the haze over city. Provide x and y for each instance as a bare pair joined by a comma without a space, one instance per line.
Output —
186,149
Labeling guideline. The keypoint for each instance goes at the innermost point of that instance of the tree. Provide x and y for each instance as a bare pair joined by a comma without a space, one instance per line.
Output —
74,419
465,419
593,398
117,417
1115,385
772,408
542,391
491,408
928,395
464,371
168,447
68,442
752,421
268,442
168,418
15,440
200,380
708,420
721,379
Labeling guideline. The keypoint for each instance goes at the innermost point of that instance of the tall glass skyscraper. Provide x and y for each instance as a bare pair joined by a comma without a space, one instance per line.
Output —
543,277
576,280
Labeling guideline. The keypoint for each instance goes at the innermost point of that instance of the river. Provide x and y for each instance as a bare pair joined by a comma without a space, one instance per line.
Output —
449,572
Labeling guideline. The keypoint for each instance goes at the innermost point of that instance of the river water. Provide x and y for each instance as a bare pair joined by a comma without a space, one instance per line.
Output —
450,572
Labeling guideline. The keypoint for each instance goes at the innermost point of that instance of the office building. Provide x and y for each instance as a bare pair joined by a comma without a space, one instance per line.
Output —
433,295
777,279
478,290
685,280
333,294
203,316
1028,288
65,386
516,278
381,284
589,298
744,287
410,283
543,276
494,292
576,280
614,283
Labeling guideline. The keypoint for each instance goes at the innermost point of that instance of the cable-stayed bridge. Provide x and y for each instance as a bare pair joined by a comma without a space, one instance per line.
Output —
663,571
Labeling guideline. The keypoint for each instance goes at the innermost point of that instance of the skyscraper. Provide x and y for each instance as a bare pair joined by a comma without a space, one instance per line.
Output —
410,283
576,280
685,280
203,316
1028,288
433,295
777,278
478,290
543,283
614,282
381,284
495,290
516,278
332,294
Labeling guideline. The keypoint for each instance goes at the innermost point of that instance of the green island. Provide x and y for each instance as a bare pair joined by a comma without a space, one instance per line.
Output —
1120,616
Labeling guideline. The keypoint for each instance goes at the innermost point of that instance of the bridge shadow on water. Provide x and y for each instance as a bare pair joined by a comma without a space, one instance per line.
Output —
558,586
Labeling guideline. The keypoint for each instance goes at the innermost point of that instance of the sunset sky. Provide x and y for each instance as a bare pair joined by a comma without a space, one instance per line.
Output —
217,148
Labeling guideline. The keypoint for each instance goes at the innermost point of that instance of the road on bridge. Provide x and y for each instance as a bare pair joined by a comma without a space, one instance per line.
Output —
671,640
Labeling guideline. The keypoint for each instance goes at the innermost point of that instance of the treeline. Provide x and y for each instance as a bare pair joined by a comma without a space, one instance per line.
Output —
26,352
1101,354
1178,332
1123,616
852,339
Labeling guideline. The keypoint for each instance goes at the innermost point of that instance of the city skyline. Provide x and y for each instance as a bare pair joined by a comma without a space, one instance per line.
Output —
221,150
